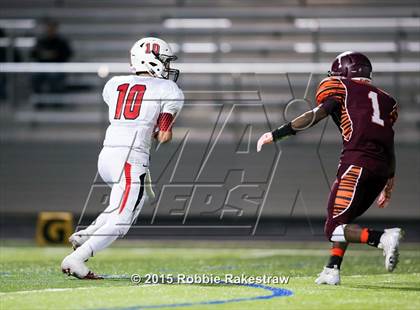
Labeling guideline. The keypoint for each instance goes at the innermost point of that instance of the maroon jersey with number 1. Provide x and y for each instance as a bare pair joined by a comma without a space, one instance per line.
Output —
365,116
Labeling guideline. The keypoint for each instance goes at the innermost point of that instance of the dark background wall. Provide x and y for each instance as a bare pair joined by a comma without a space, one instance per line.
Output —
49,142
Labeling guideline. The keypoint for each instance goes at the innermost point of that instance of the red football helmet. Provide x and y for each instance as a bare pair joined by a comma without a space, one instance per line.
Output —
351,65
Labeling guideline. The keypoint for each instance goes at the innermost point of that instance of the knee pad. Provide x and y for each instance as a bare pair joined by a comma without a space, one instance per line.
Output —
337,235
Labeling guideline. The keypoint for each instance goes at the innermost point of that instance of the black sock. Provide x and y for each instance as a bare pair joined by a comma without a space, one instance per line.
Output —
335,261
374,237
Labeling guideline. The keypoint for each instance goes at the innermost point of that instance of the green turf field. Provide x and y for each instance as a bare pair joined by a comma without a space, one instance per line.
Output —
31,277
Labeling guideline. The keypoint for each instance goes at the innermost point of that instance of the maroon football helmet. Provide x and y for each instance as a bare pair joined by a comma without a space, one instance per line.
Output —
351,65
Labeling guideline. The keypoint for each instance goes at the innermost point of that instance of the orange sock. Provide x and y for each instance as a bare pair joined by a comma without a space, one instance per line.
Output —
337,252
336,257
364,236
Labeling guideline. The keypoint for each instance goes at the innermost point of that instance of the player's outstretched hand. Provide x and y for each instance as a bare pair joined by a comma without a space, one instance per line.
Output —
264,139
385,196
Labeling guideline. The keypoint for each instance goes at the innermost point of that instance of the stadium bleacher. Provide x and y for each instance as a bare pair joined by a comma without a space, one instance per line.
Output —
219,32
220,43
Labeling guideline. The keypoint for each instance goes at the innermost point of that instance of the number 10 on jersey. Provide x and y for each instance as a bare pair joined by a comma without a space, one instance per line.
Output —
131,103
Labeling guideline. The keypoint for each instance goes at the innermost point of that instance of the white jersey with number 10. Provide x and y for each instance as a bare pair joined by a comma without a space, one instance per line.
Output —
135,103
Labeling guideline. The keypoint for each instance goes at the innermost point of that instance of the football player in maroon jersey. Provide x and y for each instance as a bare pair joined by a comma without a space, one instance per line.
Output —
365,116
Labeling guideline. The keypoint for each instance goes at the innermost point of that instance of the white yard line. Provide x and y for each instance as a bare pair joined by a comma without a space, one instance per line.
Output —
49,290
64,289
354,276
286,252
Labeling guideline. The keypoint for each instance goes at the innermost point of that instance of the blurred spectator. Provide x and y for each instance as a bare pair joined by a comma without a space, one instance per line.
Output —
50,47
8,53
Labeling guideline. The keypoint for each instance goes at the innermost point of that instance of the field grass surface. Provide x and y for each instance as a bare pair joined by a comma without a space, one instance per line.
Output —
31,277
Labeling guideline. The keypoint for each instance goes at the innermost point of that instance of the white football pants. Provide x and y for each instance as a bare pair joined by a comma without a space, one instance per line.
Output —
124,170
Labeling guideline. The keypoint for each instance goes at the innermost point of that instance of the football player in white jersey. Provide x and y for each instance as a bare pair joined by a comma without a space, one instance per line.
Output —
142,106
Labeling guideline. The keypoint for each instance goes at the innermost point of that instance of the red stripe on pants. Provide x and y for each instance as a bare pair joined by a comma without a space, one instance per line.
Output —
127,174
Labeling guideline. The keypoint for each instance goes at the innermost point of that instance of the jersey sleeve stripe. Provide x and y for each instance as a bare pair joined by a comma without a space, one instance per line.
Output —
333,87
330,87
346,125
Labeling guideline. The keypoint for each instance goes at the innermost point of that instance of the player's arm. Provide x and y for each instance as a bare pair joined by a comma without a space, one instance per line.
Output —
329,97
108,89
165,122
302,122
309,119
173,100
385,196
393,163
164,136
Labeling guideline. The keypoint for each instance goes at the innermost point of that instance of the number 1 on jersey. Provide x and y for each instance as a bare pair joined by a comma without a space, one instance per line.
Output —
376,116
133,102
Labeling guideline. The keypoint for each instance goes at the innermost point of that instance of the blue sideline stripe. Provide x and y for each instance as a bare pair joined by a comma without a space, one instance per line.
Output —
275,293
